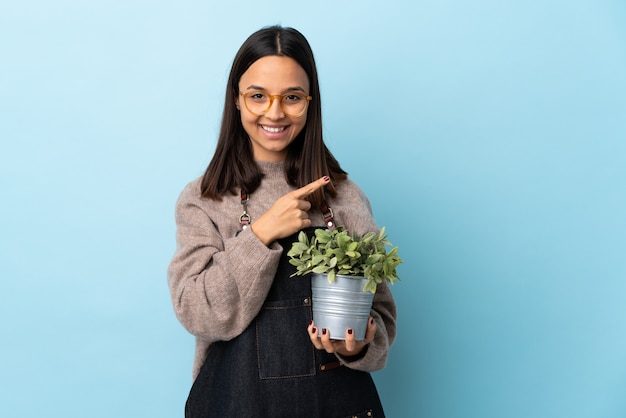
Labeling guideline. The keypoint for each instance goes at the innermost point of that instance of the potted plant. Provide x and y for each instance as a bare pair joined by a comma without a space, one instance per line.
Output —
345,271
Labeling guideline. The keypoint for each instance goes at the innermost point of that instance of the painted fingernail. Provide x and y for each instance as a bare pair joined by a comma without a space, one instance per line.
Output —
311,323
313,330
349,331
323,331
372,321
326,178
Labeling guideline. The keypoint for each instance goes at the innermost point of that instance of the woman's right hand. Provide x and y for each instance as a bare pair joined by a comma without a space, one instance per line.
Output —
288,215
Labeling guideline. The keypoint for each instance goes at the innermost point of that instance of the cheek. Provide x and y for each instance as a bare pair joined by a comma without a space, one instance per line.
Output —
248,118
300,123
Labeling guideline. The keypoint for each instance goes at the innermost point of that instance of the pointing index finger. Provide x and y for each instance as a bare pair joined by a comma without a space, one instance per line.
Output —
311,187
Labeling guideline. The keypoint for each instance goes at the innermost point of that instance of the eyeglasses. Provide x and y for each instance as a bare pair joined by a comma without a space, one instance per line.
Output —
292,104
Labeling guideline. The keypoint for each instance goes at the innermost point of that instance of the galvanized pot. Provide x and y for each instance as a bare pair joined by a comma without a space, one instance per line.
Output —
341,305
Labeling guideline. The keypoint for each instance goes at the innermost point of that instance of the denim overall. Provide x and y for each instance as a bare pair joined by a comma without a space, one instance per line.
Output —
272,369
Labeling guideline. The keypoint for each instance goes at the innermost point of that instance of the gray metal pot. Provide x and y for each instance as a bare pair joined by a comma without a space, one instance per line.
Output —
341,305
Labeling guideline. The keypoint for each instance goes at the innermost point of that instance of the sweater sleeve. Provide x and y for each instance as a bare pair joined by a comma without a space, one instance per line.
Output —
357,217
217,284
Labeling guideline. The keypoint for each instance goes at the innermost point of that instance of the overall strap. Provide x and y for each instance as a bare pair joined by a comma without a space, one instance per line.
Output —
245,218
327,213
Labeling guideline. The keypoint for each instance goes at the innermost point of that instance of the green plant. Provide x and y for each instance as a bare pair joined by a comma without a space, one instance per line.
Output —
337,252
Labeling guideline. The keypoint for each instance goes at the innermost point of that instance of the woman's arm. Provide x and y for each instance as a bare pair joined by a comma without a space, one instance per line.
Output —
217,284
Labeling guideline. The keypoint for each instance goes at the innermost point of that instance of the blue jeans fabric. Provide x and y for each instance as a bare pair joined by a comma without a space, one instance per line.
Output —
272,369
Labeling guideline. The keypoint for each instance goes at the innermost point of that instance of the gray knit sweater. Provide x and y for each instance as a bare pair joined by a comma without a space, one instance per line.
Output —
218,281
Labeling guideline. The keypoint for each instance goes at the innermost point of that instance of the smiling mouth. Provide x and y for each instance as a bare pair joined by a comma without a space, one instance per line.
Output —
273,130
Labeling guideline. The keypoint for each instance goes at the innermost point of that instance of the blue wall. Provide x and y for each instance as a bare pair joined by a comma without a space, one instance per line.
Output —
489,136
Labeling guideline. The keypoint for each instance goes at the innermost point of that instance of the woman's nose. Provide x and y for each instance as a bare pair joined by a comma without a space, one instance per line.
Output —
275,111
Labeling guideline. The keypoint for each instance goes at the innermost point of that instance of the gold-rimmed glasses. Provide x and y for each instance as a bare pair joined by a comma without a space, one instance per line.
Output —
293,104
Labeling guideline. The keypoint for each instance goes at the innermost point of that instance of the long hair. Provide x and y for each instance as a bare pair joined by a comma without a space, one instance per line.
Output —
233,166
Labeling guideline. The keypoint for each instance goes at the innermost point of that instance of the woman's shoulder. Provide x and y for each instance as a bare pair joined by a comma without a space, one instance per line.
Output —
191,191
194,209
352,208
348,189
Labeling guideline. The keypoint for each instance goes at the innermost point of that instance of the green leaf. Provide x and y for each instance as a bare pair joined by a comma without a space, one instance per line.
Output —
322,235
320,269
370,286
317,258
298,248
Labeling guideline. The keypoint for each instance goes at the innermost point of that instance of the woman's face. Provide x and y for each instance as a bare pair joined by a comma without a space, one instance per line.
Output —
271,133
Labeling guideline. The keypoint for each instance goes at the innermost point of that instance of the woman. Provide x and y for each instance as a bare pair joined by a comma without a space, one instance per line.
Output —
271,176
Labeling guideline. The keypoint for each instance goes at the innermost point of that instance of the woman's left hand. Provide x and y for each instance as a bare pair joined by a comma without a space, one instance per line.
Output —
347,347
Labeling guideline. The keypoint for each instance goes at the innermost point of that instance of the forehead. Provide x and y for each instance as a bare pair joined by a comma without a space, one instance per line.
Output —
274,73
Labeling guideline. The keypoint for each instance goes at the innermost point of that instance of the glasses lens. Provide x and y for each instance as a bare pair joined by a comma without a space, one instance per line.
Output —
257,103
293,104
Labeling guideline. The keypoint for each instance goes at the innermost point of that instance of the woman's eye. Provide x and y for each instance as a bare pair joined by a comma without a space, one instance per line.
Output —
293,98
257,96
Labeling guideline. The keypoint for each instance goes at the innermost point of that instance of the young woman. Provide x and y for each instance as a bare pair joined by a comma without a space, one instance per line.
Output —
258,353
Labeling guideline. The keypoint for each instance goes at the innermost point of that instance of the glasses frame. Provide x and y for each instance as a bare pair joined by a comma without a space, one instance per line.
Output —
280,102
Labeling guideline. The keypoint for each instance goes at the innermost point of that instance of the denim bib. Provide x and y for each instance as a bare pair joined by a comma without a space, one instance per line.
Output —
272,369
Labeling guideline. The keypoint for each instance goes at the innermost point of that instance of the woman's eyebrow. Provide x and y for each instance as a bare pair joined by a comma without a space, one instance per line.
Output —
255,87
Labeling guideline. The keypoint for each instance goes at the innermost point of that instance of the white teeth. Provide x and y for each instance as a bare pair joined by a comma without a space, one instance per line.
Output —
273,130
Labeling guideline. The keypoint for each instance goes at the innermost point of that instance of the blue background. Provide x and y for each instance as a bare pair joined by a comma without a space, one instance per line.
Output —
489,136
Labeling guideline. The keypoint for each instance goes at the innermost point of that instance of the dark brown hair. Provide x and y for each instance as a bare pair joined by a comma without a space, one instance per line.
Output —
233,166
